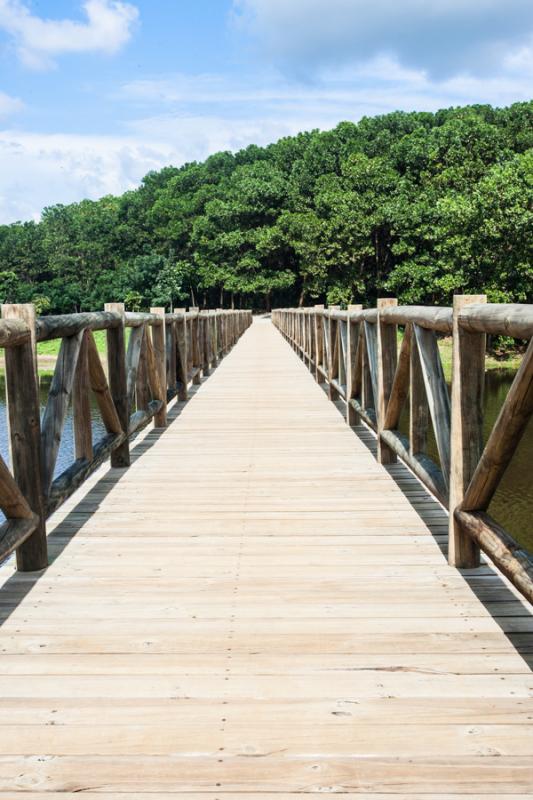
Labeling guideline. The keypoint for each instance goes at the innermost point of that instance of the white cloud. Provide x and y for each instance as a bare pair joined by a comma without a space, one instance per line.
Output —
9,105
108,27
444,37
180,118
376,86
39,170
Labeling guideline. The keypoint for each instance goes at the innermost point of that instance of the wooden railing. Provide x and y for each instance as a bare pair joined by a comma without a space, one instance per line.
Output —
164,353
364,362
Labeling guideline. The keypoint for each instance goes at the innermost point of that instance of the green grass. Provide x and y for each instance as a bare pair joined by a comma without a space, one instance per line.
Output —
508,361
51,348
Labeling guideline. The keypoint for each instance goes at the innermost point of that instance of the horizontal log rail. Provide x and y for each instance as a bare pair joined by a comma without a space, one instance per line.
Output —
358,355
164,353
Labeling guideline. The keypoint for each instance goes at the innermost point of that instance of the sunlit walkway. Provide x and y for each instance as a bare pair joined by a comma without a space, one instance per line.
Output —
256,609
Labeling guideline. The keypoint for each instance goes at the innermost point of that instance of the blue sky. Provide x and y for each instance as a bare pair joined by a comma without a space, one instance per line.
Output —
95,93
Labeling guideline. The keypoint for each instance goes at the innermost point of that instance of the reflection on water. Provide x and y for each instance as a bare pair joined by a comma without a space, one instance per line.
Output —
66,449
512,506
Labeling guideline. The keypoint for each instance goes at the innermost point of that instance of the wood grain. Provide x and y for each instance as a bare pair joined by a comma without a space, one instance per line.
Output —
258,609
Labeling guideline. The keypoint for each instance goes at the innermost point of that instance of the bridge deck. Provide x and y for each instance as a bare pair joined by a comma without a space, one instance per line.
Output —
257,609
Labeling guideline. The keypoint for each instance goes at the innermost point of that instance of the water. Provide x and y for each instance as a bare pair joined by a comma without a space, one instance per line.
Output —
512,506
66,450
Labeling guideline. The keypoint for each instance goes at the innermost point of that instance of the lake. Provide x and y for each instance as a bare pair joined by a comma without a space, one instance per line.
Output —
512,506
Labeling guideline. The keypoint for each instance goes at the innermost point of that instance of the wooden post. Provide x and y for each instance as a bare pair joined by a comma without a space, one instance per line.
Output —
171,351
142,390
159,346
183,359
333,347
214,336
204,338
468,378
353,328
319,342
418,404
22,393
116,363
195,344
387,360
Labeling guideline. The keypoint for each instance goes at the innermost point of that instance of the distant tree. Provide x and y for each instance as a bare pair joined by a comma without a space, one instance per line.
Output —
416,204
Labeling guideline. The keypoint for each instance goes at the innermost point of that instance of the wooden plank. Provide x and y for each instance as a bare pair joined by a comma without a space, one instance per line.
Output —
142,392
14,532
182,357
387,359
436,392
116,365
418,406
371,366
468,379
159,348
81,406
57,405
12,501
133,355
400,384
100,388
353,379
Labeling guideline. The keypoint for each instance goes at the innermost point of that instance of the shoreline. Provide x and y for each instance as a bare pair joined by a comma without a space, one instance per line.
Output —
46,362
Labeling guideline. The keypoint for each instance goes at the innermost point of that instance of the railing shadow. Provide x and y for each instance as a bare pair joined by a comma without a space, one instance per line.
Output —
18,586
485,583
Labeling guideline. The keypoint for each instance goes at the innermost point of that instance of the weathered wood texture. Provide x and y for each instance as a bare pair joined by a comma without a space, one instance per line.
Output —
466,445
387,359
374,379
257,609
118,383
22,394
138,394
81,402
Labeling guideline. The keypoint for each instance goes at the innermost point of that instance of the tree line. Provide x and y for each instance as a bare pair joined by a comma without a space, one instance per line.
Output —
415,205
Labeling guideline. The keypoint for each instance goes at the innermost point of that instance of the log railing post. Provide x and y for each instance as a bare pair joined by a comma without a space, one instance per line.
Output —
333,360
468,378
418,404
183,356
353,331
387,360
319,342
215,318
195,344
205,342
118,384
159,347
22,394
171,354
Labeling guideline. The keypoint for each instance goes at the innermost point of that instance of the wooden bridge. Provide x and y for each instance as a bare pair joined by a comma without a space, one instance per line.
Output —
259,607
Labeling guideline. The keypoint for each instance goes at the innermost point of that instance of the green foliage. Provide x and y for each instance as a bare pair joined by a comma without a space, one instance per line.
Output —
415,205
8,286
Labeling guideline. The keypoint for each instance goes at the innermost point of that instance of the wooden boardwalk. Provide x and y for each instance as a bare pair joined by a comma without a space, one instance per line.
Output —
258,609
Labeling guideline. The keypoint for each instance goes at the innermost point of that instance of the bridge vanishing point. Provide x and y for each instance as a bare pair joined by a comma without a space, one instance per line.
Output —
258,608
